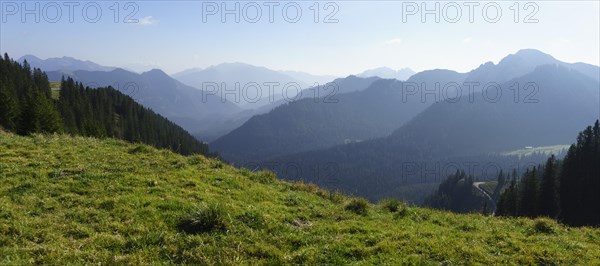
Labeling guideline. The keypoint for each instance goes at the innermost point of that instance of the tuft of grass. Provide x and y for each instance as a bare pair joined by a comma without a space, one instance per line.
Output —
140,149
359,206
392,205
204,219
218,165
196,160
543,226
264,177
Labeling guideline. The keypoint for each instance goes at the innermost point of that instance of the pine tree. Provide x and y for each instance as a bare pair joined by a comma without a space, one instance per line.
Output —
509,202
528,194
548,198
579,180
9,107
500,185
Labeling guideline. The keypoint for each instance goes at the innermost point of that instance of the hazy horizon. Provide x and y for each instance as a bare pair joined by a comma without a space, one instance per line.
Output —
142,70
193,36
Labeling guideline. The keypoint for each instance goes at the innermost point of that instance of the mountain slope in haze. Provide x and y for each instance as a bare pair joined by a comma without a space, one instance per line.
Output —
464,131
388,73
72,200
349,115
62,63
225,123
309,79
314,122
552,103
249,77
278,134
184,105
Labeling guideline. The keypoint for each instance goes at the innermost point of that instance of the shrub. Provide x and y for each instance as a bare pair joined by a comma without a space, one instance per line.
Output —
402,212
140,149
543,226
358,206
218,165
196,160
291,200
337,197
107,205
264,177
205,219
392,205
245,172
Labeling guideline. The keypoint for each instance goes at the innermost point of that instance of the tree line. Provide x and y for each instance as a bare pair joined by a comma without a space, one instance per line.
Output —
456,194
27,106
568,189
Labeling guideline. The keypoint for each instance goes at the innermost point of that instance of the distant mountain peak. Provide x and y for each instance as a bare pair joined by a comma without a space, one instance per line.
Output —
528,55
388,73
120,70
27,57
235,65
531,51
155,72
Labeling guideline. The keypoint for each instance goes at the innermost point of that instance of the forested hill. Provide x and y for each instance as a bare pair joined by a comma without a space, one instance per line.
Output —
28,105
563,189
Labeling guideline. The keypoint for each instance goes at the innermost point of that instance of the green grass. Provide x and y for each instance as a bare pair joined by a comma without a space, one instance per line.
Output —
67,200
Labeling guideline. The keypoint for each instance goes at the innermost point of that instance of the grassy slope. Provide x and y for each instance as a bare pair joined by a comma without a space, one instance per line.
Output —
82,200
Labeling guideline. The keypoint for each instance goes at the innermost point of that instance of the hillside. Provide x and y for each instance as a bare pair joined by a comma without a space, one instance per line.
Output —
190,108
29,103
66,200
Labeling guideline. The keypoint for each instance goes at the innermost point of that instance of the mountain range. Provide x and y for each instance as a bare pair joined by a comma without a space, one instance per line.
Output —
549,98
247,86
170,96
369,128
361,109
62,64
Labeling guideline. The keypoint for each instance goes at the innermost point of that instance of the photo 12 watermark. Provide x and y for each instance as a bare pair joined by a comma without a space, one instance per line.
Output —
438,171
453,92
469,11
130,89
268,92
69,11
270,12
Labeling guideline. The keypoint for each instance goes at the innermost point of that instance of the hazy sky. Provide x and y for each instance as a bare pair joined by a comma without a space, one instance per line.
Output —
362,35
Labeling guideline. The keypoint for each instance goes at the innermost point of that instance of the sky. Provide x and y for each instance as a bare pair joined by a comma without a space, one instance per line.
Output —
326,38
